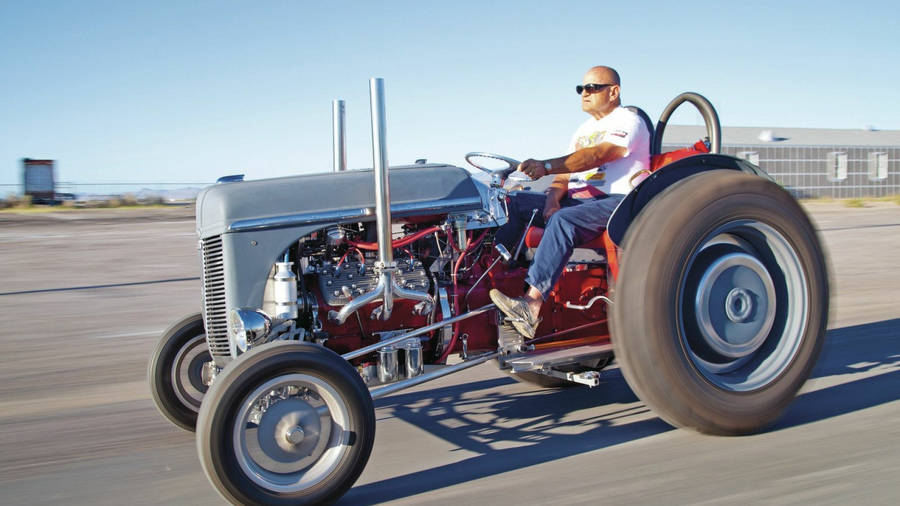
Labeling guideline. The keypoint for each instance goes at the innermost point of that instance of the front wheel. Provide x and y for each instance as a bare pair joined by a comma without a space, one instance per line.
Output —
287,423
721,303
175,371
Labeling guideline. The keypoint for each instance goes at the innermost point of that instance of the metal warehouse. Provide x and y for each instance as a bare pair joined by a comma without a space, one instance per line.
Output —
812,162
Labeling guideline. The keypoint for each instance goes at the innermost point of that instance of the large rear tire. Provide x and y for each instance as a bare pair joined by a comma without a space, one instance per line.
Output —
721,303
175,371
287,423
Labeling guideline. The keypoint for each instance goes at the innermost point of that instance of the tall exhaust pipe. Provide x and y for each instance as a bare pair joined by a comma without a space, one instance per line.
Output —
380,163
387,288
382,191
339,135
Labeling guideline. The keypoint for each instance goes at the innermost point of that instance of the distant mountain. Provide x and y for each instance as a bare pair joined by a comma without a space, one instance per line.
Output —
174,195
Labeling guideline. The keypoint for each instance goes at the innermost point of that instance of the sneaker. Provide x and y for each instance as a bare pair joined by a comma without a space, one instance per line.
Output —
516,310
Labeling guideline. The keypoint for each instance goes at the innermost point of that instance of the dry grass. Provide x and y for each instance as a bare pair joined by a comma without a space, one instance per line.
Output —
854,203
17,203
72,208
890,198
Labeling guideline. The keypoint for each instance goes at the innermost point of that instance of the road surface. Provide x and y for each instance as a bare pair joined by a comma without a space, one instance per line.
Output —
84,296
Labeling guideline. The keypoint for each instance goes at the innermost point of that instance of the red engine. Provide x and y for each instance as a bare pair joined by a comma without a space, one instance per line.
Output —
459,276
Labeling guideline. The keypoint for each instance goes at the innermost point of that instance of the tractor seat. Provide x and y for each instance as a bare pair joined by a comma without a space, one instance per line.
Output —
644,118
533,238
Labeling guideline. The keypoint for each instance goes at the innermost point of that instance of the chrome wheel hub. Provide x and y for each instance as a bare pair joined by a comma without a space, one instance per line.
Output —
739,305
295,436
291,432
735,305
742,306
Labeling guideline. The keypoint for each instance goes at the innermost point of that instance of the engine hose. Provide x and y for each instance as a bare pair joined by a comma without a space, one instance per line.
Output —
362,259
399,243
446,352
469,246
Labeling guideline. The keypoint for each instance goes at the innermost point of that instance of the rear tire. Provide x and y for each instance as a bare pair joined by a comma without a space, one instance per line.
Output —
175,371
265,398
721,303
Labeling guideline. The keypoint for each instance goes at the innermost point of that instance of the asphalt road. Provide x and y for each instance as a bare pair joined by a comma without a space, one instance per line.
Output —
84,296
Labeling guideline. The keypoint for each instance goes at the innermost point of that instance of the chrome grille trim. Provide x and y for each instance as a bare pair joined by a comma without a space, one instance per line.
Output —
214,311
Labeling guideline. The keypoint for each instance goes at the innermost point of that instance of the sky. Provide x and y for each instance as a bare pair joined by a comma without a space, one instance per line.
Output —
185,92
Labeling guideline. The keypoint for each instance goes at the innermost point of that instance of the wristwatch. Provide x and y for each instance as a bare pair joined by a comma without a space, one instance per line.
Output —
547,167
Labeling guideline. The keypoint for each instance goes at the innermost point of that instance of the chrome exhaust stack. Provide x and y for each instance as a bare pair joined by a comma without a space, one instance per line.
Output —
339,135
387,288
385,264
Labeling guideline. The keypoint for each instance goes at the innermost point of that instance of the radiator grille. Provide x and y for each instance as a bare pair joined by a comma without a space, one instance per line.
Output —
214,314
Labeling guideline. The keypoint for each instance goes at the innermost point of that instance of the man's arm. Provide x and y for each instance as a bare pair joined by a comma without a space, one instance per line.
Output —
579,161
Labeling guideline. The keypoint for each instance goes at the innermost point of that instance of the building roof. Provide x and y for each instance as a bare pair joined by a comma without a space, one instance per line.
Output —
774,136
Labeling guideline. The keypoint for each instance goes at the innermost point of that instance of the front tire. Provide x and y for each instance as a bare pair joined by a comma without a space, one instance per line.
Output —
175,371
721,303
286,423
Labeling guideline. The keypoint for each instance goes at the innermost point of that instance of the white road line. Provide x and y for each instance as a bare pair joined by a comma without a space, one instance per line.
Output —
129,334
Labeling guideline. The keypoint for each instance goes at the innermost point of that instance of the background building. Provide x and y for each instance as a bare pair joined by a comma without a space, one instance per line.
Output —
811,162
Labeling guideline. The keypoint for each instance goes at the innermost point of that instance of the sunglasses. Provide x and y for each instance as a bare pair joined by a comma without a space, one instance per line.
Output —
591,88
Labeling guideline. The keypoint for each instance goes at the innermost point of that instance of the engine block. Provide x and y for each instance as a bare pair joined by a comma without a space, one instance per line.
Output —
338,285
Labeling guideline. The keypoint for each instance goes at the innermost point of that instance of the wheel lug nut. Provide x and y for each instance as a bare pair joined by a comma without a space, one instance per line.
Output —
295,435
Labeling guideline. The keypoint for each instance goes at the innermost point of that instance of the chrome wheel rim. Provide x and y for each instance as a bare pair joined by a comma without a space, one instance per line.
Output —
187,372
742,306
291,432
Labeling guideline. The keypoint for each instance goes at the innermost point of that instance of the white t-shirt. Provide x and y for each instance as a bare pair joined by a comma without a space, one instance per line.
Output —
622,128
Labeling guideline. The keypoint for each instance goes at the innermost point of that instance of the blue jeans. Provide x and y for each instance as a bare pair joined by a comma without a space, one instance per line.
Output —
577,222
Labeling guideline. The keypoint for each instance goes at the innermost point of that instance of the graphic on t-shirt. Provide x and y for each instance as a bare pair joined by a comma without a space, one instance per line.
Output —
587,141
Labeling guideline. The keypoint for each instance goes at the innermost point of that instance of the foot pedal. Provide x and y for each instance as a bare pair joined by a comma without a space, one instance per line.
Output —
589,378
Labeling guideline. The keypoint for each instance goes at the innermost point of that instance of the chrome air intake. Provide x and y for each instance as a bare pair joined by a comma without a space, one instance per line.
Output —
339,136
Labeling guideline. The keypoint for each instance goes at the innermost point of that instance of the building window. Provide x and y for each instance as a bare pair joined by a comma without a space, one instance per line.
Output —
878,166
750,156
836,166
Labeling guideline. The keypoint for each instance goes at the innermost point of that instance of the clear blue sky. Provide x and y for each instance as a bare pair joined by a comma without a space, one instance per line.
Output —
189,91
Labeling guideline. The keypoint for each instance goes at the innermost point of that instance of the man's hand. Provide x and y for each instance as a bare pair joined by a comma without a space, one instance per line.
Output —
532,168
555,193
550,207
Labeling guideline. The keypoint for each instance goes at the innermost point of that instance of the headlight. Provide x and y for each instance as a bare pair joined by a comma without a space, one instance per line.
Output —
248,327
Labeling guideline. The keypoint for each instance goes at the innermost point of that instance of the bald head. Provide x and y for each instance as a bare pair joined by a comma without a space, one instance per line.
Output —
600,102
605,74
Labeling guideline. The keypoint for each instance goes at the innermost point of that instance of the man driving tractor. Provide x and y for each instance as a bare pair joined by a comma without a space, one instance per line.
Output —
605,152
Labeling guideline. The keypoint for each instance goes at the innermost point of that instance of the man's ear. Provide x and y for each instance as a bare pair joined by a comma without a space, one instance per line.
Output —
613,92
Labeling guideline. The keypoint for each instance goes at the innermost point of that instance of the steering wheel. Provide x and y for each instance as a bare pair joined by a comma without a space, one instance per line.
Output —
513,164
713,128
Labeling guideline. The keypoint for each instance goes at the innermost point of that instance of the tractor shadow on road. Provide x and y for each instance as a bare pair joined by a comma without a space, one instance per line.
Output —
870,350
510,426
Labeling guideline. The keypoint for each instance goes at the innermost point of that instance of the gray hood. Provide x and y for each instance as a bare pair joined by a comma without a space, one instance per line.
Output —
332,197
